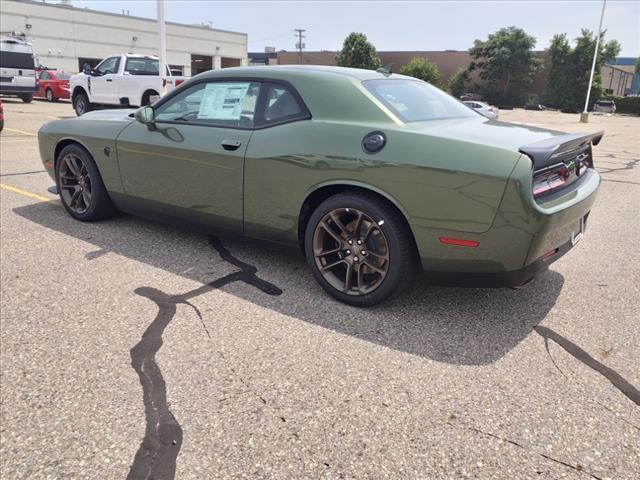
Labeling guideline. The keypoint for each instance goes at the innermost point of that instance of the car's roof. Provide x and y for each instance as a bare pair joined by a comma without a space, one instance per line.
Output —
281,71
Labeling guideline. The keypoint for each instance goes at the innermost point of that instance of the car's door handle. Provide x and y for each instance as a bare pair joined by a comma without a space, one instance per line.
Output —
109,79
230,144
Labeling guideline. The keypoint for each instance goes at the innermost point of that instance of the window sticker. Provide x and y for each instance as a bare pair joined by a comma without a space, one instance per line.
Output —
223,101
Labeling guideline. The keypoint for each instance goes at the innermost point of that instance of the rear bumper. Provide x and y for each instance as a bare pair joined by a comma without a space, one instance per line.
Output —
14,90
510,279
511,252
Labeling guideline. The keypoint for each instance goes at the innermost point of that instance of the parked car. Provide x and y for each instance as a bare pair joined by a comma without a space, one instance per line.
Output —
483,109
605,106
125,80
534,106
1,116
17,69
54,84
571,110
433,185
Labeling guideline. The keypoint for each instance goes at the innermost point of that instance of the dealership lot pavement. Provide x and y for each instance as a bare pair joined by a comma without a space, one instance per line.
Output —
267,377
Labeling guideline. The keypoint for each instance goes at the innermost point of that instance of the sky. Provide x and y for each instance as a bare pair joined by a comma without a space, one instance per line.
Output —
400,25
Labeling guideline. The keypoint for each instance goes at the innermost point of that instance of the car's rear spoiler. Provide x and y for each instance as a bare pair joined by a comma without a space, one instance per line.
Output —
546,152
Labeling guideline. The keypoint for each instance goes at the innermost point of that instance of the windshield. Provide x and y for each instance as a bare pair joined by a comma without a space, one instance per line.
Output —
417,101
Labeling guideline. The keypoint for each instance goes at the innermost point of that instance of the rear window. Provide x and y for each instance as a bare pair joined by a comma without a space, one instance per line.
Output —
605,103
23,61
417,101
142,66
63,75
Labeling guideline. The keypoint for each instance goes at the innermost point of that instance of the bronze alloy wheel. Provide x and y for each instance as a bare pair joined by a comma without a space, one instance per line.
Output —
75,183
351,251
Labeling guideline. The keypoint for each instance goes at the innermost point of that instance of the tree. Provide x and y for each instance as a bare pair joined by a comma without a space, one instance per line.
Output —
507,65
358,52
423,69
570,70
638,66
457,82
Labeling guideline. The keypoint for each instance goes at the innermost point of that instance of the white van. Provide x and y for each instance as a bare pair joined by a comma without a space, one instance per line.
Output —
17,69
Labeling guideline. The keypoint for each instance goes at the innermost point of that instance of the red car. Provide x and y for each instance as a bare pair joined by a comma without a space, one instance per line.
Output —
54,84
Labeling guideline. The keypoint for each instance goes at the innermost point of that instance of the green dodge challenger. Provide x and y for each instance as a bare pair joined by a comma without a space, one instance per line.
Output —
373,175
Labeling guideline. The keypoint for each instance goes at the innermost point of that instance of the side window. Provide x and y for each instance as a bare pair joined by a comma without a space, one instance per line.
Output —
224,104
281,105
44,75
142,66
110,65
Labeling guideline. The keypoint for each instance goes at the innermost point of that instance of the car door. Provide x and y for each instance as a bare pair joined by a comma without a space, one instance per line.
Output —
101,86
189,164
45,79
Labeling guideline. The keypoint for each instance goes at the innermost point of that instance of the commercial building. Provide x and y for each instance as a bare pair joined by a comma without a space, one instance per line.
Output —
618,76
66,37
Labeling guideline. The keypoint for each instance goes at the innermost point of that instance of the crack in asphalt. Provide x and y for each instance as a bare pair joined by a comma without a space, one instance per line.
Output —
156,457
617,380
22,173
577,467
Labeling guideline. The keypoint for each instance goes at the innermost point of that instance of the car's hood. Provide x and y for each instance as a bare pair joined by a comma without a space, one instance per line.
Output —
113,114
481,130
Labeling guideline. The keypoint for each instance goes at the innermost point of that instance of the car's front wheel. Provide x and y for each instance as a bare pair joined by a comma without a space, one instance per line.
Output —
359,248
81,104
80,185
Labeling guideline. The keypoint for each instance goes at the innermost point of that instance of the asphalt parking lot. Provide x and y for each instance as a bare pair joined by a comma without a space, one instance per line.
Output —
259,374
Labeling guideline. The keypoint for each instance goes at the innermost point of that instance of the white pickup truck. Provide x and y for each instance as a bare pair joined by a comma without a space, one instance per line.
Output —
126,80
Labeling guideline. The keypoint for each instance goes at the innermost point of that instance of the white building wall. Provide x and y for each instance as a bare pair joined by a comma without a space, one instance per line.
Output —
60,35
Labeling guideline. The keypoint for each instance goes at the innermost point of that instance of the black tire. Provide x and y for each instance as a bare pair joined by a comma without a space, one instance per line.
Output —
50,96
99,205
403,260
81,104
146,98
26,98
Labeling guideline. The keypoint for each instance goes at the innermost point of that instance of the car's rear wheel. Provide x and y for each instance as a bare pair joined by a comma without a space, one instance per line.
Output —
50,96
81,104
80,185
359,248
27,98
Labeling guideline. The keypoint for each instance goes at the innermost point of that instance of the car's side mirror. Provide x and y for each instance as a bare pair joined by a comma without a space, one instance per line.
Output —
146,116
86,70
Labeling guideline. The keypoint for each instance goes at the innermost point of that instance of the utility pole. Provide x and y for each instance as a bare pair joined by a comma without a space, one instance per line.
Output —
163,46
584,117
300,45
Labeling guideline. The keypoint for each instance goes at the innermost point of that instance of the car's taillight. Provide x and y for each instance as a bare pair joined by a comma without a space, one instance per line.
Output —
551,178
178,82
561,174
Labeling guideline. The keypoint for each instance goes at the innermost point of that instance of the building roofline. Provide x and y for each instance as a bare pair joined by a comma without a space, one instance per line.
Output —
134,17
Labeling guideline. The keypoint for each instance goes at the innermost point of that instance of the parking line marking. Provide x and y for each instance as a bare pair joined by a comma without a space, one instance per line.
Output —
26,193
14,130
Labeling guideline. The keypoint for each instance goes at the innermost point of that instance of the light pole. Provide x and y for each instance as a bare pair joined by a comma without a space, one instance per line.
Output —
584,116
163,46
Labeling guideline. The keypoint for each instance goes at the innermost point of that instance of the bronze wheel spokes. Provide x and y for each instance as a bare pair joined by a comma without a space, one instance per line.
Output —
351,251
75,183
